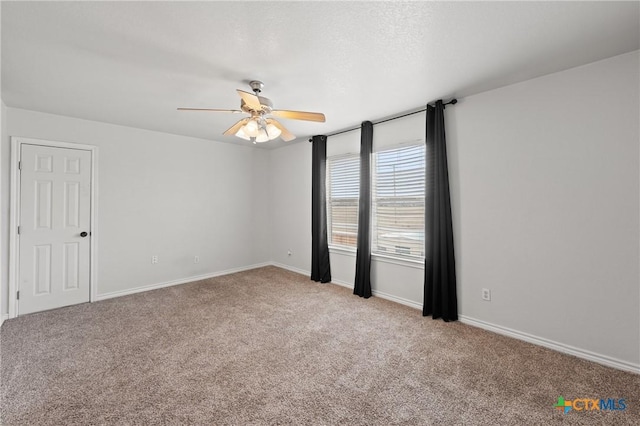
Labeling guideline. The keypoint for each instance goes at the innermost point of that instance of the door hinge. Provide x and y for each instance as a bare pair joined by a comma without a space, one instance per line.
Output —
18,295
18,230
19,165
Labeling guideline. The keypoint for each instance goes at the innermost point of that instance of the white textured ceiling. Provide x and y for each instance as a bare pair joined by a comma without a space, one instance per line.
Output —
133,63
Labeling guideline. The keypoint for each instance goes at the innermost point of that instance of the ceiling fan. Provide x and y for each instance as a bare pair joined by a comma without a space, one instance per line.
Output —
258,127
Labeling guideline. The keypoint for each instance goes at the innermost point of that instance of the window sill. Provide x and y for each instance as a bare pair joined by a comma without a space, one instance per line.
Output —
346,251
411,263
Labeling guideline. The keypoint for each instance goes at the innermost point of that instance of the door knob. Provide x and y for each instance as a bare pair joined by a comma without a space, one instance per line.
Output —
83,234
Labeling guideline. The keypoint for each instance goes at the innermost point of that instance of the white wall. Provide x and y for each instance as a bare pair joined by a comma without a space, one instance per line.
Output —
165,195
260,206
4,273
545,193
545,184
4,210
290,191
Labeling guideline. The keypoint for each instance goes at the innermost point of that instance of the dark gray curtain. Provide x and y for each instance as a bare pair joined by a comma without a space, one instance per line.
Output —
362,285
439,264
320,267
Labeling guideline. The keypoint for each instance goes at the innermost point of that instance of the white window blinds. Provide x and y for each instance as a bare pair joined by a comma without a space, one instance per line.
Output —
343,187
398,202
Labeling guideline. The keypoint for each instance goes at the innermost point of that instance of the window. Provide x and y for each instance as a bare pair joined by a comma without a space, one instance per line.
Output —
343,188
398,186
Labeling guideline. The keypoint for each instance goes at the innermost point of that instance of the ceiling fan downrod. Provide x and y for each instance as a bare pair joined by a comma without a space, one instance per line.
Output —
256,86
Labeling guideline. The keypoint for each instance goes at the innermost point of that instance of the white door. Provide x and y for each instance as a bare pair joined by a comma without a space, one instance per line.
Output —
55,205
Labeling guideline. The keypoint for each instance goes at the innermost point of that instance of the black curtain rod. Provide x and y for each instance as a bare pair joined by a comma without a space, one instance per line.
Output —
451,102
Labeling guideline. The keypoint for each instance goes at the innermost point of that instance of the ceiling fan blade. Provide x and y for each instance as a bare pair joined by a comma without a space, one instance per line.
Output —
231,131
285,135
235,111
250,99
299,115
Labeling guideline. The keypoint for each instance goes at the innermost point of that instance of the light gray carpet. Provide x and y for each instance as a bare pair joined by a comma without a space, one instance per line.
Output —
269,346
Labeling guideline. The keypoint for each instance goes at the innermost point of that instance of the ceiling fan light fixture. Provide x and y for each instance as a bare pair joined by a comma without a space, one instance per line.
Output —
241,134
262,136
273,131
251,129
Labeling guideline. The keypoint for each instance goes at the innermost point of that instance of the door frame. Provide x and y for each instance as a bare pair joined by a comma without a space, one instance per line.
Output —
14,215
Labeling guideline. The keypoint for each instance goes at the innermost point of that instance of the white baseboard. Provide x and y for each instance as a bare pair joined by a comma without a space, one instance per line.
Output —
556,346
540,341
177,282
290,268
400,300
342,283
383,295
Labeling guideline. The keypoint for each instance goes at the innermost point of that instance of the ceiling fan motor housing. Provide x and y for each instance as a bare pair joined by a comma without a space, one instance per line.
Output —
265,103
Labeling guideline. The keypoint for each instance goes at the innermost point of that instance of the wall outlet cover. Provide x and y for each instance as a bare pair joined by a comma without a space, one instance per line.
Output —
486,294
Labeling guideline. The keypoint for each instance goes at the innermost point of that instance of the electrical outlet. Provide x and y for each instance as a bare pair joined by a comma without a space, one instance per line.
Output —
486,294
154,259
196,259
